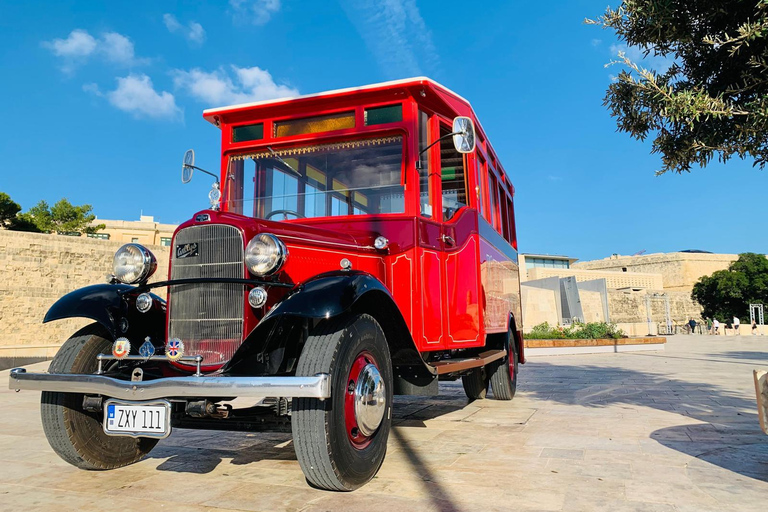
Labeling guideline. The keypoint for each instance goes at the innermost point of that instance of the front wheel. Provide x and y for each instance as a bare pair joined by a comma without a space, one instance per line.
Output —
77,435
341,441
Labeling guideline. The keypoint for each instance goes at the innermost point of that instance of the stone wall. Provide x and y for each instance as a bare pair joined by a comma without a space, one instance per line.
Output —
35,271
539,306
680,270
629,307
645,280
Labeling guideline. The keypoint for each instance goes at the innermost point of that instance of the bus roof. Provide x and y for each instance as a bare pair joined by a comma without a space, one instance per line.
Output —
211,113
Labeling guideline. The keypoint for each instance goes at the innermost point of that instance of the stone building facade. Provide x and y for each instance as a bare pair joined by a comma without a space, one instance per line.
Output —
35,271
679,270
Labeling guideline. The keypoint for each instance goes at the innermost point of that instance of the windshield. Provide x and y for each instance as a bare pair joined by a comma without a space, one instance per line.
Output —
356,177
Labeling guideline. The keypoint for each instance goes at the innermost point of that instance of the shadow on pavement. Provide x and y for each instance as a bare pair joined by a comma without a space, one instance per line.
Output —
730,436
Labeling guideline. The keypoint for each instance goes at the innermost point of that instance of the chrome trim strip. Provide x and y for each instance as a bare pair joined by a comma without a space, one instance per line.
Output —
318,386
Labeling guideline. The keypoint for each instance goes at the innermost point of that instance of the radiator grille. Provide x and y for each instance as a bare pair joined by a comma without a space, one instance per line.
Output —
208,317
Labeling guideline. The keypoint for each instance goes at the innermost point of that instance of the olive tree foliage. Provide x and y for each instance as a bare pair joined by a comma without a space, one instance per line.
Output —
728,293
63,217
713,100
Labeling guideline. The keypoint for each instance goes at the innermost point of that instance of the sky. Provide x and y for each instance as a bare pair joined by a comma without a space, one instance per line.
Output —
101,99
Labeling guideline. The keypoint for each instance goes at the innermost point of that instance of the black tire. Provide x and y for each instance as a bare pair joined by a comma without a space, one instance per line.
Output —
475,384
326,451
504,376
75,435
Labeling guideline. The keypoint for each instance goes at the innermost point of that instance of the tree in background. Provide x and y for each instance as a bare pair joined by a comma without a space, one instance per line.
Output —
728,293
63,217
713,100
9,218
8,210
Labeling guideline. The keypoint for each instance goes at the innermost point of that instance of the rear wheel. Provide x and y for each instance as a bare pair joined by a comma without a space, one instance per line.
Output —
341,441
76,435
504,372
475,383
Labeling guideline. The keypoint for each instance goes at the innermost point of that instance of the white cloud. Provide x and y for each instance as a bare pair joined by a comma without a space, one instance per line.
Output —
657,63
171,23
119,49
93,88
396,34
257,12
80,46
597,42
193,32
136,95
242,85
79,43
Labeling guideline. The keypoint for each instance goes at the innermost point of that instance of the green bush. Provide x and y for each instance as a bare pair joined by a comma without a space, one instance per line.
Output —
576,330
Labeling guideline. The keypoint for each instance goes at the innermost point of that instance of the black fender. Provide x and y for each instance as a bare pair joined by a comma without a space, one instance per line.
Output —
273,346
107,304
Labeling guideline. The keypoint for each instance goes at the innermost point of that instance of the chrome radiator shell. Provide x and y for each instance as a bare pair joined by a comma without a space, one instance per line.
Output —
207,317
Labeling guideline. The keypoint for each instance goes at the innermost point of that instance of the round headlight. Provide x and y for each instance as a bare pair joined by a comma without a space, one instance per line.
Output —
133,264
265,254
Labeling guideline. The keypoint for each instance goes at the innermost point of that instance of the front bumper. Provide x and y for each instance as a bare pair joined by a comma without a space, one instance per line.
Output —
318,386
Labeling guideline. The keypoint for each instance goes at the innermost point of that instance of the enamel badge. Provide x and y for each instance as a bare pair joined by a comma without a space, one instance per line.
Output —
174,349
147,350
121,348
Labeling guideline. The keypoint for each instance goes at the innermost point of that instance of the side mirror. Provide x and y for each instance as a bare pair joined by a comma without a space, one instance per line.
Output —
188,166
463,134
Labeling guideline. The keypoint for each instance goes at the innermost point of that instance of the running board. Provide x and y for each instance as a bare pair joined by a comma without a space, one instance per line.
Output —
456,365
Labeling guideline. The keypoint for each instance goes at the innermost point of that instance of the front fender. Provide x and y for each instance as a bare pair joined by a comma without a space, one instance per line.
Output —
327,295
273,346
107,304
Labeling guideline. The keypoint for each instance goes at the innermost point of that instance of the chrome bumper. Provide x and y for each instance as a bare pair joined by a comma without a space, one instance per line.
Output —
318,386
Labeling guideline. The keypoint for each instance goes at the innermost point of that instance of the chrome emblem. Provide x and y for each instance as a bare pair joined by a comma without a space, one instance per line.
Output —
147,350
186,250
121,348
202,217
174,349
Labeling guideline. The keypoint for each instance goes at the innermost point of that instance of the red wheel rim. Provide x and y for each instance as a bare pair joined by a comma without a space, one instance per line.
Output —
356,438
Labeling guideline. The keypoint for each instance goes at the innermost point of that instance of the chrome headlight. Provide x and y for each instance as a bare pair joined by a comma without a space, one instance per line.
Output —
265,254
133,264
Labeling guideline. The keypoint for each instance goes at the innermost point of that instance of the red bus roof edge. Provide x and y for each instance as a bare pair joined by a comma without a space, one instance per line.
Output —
209,114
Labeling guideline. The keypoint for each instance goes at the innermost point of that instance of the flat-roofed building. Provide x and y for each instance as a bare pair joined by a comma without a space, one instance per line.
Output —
143,231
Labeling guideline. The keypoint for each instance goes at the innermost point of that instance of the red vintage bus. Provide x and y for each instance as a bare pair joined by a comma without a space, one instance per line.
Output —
360,244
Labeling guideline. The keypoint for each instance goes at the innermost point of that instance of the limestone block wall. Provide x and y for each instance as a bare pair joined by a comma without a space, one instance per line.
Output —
35,271
645,280
680,270
629,307
592,306
539,305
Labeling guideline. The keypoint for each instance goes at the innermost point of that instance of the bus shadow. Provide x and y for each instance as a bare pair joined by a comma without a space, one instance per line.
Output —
727,434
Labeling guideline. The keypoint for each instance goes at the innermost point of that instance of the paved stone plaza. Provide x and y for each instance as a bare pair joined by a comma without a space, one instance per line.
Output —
649,431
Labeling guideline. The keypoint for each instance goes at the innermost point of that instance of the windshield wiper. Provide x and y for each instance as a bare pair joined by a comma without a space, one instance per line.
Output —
277,157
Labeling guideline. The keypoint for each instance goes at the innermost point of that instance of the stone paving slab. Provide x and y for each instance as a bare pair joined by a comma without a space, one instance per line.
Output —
663,431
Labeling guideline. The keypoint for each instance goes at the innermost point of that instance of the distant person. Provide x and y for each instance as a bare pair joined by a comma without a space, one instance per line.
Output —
692,325
709,326
715,327
754,328
736,326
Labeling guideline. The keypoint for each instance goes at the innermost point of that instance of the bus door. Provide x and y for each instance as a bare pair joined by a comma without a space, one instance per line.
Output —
448,248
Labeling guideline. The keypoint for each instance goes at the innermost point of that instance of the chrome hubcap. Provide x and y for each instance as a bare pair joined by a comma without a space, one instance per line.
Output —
370,400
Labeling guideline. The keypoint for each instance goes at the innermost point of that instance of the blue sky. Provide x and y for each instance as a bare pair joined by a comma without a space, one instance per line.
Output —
101,99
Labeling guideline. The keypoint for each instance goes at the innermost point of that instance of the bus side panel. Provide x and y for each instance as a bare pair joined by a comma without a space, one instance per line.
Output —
501,287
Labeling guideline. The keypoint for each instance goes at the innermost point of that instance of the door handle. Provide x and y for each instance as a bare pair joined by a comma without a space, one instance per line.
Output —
448,240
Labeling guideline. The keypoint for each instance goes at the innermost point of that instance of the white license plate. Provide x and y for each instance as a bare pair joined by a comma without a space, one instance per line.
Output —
137,419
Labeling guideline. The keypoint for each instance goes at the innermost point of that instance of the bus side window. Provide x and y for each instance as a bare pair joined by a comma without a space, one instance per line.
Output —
452,176
493,194
425,205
